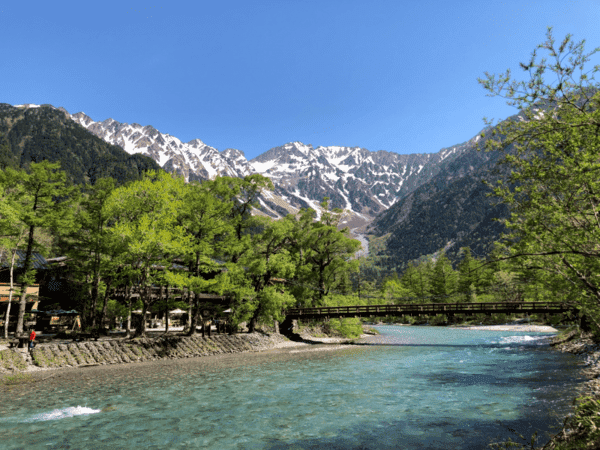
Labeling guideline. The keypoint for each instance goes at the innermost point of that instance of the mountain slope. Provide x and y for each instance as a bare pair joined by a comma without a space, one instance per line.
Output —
29,133
450,211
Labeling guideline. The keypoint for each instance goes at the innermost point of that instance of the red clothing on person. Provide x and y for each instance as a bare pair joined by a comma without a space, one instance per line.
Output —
32,335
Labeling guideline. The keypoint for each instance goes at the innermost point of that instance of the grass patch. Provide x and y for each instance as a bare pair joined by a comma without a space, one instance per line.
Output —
17,379
39,359
10,359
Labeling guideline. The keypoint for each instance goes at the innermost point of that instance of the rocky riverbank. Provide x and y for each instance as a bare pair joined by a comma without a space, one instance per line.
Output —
581,429
588,350
118,351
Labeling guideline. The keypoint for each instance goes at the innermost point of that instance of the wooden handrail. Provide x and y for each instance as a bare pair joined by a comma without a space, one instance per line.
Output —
435,308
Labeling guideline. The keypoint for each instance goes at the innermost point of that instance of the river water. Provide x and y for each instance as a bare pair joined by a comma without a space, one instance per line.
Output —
411,388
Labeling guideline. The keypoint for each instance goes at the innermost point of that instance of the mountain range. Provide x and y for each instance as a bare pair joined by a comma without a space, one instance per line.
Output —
361,182
419,203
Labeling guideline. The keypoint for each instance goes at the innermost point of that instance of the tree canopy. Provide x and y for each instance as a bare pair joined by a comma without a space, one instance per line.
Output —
552,148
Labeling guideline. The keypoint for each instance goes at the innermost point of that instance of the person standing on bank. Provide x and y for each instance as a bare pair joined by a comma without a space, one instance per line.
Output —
31,339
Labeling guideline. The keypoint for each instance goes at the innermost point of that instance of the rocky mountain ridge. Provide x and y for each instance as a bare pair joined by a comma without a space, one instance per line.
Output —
195,160
359,181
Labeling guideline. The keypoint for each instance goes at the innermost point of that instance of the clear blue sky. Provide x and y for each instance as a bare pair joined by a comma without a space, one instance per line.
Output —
384,75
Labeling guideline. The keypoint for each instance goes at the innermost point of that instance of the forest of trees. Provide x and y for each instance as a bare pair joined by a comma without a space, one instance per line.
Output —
162,231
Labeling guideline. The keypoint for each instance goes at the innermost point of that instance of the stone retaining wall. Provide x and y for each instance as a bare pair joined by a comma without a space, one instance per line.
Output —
117,351
11,361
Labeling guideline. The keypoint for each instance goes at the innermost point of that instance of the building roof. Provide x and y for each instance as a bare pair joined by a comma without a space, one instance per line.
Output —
39,262
55,312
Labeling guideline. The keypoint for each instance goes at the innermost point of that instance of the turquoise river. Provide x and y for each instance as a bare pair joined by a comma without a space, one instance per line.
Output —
409,388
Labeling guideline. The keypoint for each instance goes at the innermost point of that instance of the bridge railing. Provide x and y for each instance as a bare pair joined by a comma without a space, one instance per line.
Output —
428,308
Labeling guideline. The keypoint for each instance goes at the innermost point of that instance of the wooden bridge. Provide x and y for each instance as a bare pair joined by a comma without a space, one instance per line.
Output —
427,309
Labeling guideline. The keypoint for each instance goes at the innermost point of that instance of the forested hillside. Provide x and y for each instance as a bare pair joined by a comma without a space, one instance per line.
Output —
450,211
47,133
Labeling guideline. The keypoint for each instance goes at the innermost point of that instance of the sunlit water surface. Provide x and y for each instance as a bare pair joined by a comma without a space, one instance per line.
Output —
415,388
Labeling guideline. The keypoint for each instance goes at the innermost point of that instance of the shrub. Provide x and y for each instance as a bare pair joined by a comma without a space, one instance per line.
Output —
349,328
438,319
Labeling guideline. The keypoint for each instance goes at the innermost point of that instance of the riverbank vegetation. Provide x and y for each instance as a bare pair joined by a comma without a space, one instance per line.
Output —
199,238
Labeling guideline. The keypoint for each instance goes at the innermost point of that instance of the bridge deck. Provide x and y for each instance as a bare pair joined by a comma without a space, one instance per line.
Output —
428,309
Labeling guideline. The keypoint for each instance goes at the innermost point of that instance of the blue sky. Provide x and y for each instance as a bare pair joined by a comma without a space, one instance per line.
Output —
384,75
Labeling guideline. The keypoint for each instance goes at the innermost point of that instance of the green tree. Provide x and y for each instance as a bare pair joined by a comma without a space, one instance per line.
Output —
44,202
553,188
206,219
395,291
92,250
222,227
443,279
468,276
12,235
242,194
417,279
146,225
324,254
268,266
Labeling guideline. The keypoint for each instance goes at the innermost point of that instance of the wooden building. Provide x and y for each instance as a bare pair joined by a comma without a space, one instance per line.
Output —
33,298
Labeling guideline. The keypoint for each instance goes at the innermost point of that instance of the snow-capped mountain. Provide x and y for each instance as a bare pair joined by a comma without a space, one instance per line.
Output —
195,160
359,181
354,179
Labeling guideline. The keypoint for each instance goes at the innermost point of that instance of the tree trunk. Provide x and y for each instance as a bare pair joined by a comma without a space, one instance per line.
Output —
128,295
146,295
10,293
24,285
95,294
105,303
194,313
166,309
254,320
191,331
